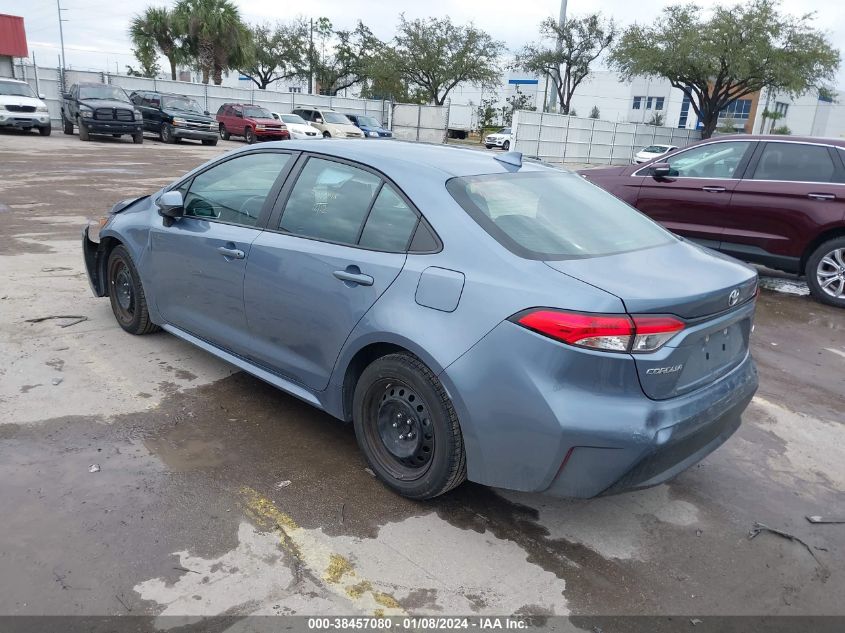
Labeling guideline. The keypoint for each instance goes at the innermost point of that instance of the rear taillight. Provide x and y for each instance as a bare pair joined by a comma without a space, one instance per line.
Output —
607,332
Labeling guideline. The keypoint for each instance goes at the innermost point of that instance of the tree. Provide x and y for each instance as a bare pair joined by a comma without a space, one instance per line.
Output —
567,53
734,53
436,55
216,37
517,101
148,60
727,126
656,119
594,113
155,29
278,53
783,129
769,115
350,59
486,114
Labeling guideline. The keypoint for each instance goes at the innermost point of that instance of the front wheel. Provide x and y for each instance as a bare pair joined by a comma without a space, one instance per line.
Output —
83,131
407,428
224,133
826,272
166,134
138,138
249,136
326,135
45,131
506,145
128,302
210,142
67,126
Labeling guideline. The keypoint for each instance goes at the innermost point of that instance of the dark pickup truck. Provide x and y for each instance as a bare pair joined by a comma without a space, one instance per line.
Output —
100,109
173,117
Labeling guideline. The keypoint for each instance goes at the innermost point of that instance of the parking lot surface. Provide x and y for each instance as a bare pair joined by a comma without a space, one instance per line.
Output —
217,494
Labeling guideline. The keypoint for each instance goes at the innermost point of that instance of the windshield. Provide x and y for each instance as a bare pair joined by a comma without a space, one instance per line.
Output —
554,215
369,121
14,89
293,118
254,112
656,149
183,104
334,117
103,91
504,130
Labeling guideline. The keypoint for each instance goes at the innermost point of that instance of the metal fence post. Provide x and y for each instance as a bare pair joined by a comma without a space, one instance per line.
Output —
419,120
590,146
613,142
205,94
565,137
390,106
448,112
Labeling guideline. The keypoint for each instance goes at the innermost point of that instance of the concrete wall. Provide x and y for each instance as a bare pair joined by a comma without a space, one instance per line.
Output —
5,66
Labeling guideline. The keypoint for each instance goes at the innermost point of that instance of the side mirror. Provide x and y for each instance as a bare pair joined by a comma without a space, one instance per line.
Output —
207,113
318,120
42,96
661,170
171,206
240,115
66,95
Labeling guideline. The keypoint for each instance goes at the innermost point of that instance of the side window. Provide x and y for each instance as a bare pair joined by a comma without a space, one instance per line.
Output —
329,201
137,99
796,162
153,99
234,191
714,160
390,224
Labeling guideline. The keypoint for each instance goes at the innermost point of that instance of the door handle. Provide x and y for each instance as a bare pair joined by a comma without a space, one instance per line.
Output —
713,189
353,275
232,253
821,196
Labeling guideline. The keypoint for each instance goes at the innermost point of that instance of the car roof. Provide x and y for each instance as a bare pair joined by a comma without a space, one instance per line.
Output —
412,157
779,137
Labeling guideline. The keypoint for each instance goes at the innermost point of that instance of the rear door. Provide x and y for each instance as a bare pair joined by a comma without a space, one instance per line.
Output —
199,261
790,193
336,242
693,200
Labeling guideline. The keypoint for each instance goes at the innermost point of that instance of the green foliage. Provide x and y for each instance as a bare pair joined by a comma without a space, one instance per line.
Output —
435,55
656,119
782,130
568,52
278,52
517,101
147,59
594,113
216,38
733,53
827,94
487,113
728,126
572,112
350,56
156,30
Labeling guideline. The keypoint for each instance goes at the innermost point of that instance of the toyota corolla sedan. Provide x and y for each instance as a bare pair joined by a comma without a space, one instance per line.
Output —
473,316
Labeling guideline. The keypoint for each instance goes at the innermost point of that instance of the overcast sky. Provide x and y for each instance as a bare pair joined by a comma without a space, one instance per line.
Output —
95,33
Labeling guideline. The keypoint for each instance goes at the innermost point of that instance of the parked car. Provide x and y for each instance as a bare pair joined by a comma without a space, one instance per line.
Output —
502,139
175,117
775,201
370,126
252,122
297,126
330,123
472,316
651,152
22,109
100,109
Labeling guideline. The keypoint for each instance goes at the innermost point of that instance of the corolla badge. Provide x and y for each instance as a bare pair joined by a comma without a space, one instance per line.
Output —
664,370
733,298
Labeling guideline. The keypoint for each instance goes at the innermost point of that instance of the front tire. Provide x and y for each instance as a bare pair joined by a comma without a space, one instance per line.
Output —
166,134
210,142
83,131
506,145
826,272
45,131
224,133
128,301
138,138
407,428
249,136
326,135
67,126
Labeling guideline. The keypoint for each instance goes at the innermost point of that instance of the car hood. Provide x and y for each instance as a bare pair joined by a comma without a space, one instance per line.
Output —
107,103
299,127
678,278
189,116
267,122
20,101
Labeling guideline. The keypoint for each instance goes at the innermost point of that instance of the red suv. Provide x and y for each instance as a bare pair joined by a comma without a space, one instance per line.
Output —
252,122
773,200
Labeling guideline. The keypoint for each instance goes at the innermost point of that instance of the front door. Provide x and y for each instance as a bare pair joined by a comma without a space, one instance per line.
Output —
199,261
693,200
341,241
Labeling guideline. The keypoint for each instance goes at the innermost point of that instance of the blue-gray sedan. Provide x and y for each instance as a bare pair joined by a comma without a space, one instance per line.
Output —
474,316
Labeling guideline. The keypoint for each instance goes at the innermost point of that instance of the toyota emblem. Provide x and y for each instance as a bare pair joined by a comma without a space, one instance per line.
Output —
733,298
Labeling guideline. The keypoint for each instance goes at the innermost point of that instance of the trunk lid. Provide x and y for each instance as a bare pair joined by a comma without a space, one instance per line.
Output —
711,292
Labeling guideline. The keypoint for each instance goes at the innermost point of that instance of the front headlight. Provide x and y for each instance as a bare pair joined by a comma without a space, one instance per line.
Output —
41,109
372,133
86,113
2,107
259,127
179,121
138,115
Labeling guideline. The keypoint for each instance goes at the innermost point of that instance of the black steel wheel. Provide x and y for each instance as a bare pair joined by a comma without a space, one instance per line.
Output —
128,302
407,428
67,126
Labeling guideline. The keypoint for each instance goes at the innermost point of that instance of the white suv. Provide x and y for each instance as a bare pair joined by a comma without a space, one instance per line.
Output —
502,139
21,109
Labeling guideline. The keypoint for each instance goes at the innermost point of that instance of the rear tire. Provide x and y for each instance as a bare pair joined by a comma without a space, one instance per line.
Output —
83,131
128,301
826,272
249,136
407,428
224,133
67,126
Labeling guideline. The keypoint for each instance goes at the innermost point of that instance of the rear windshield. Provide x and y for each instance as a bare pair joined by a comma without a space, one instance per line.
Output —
554,215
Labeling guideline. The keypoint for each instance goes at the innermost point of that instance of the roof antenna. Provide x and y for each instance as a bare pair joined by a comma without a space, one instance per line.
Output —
511,158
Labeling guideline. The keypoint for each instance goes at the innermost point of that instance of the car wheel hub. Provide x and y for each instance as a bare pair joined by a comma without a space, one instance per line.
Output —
123,289
404,427
830,273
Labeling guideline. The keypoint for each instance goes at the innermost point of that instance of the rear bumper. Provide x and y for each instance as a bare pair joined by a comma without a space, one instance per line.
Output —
544,417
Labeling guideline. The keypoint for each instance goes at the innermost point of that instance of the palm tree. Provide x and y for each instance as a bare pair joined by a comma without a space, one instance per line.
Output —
217,38
155,27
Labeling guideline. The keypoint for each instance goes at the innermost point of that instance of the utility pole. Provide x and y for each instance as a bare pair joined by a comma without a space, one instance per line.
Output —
311,58
559,47
61,32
